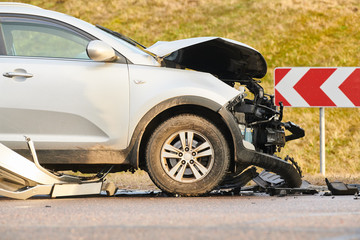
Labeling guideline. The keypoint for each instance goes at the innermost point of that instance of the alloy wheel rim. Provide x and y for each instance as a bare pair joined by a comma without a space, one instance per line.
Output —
187,156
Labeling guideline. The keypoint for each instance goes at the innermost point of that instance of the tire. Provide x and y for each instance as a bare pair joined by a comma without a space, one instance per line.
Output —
176,166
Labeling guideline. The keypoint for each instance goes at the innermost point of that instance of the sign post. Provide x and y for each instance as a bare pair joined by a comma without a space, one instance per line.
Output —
318,87
322,141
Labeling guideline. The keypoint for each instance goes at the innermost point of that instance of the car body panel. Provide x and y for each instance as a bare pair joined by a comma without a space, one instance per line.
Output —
150,86
66,104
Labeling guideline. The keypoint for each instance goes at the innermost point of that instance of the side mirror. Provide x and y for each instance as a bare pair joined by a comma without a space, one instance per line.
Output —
100,51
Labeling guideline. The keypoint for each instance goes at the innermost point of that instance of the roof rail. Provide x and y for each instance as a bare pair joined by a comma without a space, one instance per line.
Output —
13,4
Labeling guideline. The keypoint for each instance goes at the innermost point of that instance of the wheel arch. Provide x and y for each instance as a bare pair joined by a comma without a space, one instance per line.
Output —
203,107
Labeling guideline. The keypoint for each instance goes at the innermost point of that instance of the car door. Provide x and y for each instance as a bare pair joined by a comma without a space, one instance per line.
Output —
52,92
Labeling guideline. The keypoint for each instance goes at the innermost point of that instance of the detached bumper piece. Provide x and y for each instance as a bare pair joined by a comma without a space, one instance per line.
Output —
266,182
21,178
274,185
340,188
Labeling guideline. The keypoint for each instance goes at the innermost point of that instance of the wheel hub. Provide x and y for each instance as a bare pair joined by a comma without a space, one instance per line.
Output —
187,157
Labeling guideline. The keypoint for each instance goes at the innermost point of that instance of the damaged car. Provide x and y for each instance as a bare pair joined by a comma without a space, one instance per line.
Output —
191,112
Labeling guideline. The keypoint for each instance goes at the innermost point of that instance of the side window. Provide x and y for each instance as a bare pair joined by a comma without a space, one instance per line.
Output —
38,39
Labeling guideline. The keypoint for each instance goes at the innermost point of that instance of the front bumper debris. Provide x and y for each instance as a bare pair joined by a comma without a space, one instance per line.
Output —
21,178
340,188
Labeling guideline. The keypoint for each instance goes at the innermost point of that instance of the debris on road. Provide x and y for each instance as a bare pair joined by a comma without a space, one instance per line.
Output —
265,182
21,178
340,188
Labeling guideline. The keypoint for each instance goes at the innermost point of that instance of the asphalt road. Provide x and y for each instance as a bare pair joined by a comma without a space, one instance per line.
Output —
156,217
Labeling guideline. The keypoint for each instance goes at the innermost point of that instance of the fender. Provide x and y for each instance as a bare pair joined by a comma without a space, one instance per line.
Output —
133,151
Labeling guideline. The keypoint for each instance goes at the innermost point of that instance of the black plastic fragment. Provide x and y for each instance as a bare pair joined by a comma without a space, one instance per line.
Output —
266,179
284,191
239,180
354,185
273,185
340,188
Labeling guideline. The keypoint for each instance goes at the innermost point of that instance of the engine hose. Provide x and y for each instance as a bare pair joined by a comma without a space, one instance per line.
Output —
272,164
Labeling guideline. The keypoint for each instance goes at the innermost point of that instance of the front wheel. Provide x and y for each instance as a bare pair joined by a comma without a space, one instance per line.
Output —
187,155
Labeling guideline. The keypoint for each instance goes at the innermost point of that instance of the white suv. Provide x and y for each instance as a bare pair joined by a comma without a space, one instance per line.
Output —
90,97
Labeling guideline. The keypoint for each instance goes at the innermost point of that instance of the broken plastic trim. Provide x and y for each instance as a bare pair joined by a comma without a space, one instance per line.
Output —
21,179
340,188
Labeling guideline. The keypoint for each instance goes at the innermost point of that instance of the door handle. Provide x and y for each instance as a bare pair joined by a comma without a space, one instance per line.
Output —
18,74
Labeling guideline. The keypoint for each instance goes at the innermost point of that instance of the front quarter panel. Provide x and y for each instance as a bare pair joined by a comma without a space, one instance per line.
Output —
150,86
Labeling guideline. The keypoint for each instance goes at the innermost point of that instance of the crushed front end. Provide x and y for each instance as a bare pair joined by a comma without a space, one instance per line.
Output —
262,135
255,123
260,120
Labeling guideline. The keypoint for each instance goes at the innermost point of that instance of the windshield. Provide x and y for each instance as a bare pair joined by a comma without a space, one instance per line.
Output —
121,36
128,40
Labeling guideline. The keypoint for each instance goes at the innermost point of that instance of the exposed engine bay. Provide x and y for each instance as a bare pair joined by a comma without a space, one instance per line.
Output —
263,119
257,116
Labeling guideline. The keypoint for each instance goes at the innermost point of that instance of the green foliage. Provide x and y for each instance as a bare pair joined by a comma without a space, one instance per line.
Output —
287,32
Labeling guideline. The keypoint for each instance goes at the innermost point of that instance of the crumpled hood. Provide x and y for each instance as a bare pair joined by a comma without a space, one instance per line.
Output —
225,58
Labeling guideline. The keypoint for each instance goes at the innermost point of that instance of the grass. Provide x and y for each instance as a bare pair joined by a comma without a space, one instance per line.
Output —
286,32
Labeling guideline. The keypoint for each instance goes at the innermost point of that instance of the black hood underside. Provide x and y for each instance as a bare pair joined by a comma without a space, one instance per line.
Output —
224,59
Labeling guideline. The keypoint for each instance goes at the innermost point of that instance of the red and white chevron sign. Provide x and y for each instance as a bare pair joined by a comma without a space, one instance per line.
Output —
318,87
